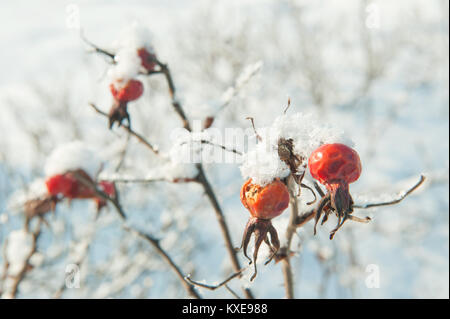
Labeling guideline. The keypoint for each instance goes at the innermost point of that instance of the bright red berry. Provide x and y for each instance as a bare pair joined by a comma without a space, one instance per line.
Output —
69,185
61,184
335,166
148,60
131,91
335,162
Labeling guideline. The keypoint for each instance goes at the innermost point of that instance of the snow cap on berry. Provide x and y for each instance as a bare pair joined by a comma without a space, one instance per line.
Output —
72,156
126,68
135,36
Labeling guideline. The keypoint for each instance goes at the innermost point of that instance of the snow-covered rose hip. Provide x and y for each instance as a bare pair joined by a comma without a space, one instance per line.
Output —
69,185
78,184
335,166
264,203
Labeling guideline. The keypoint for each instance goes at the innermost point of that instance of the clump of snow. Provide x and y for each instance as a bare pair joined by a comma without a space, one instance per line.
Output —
177,169
263,164
128,63
20,245
127,67
72,156
135,36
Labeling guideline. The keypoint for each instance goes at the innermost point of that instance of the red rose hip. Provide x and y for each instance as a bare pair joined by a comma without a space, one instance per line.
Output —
131,91
335,162
263,203
335,166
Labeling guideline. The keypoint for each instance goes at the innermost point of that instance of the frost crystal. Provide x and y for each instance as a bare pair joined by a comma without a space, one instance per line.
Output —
72,156
263,164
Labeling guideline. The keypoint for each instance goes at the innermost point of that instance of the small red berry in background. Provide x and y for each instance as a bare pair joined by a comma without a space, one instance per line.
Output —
148,60
263,203
131,91
335,166
69,186
62,184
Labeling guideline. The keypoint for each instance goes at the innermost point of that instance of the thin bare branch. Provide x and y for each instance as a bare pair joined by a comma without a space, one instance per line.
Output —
285,252
97,49
254,129
231,150
26,264
129,130
155,243
134,180
214,287
394,201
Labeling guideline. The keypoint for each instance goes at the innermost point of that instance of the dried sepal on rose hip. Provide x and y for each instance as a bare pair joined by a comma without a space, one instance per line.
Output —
263,203
40,206
335,166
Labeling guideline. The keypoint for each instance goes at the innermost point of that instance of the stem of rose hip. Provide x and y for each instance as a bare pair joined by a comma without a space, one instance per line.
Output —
285,250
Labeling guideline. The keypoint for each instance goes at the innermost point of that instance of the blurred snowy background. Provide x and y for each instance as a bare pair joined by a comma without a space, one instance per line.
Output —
377,69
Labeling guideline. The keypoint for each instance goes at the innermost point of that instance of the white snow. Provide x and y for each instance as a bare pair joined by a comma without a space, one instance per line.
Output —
135,36
128,63
127,66
72,156
35,190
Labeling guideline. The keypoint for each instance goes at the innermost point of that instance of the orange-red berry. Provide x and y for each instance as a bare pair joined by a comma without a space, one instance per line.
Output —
131,91
265,202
